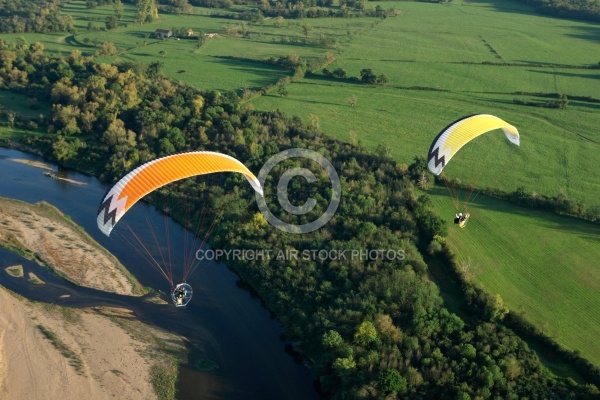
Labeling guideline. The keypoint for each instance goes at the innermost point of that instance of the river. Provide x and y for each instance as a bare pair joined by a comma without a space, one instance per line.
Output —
223,322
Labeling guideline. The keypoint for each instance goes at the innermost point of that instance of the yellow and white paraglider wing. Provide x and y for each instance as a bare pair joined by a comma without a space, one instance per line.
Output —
456,135
159,172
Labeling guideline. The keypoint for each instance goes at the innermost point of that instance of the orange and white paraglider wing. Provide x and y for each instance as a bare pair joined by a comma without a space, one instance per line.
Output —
456,135
159,172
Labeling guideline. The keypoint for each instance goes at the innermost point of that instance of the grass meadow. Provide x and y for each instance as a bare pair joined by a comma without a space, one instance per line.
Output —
441,62
543,265
23,105
443,48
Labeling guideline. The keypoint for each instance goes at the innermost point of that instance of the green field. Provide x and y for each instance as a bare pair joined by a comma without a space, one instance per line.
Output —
204,68
443,48
541,264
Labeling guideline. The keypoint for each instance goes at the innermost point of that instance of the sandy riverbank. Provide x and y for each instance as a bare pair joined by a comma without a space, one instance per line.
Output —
53,352
50,352
48,235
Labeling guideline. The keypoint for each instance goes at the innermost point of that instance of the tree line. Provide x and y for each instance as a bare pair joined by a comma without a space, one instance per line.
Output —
572,9
373,327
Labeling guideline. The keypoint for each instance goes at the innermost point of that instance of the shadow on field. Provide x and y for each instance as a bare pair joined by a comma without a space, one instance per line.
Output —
71,41
390,60
585,104
586,230
291,98
544,64
567,74
279,35
499,7
88,14
329,80
541,218
586,33
141,34
294,42
265,73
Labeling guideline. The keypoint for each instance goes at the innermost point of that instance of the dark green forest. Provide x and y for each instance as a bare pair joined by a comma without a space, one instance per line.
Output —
372,327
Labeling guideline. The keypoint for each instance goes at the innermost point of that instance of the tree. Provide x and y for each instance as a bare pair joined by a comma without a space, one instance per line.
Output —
512,369
147,11
332,339
468,351
414,377
382,79
153,70
140,17
367,76
423,182
390,380
383,150
201,39
109,48
66,117
118,136
75,56
176,138
365,334
386,327
496,309
111,22
352,100
434,247
418,168
283,91
7,58
279,22
197,105
339,73
344,364
118,7
11,115
63,150
306,29
313,121
564,100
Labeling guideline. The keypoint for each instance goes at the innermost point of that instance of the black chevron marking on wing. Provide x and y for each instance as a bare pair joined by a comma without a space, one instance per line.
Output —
434,154
108,214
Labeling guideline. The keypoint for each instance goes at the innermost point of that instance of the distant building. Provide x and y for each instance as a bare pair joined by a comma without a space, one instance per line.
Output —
189,32
163,33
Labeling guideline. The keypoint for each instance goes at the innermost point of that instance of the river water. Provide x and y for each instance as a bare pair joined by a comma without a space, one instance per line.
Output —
222,323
